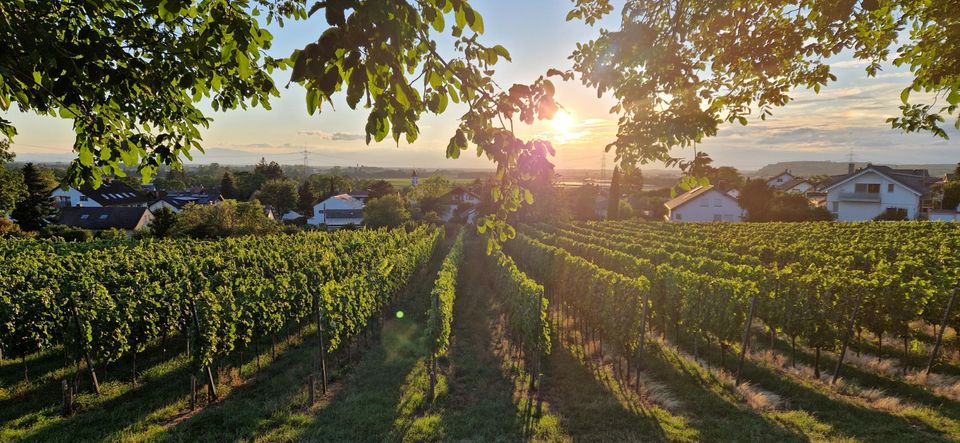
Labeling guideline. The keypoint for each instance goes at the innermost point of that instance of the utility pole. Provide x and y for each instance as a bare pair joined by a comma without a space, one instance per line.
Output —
305,159
603,167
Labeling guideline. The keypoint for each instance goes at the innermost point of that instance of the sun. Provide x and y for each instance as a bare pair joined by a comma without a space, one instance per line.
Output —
562,123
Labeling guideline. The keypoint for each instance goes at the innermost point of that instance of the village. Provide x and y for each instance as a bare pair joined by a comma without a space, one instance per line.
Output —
868,193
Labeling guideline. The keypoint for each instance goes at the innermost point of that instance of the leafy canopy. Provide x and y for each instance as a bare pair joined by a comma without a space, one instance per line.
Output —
680,68
131,73
384,56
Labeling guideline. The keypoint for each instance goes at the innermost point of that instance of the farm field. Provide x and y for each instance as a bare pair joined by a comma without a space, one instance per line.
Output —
596,331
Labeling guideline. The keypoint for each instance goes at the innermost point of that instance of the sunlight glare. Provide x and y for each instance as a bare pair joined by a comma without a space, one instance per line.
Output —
562,123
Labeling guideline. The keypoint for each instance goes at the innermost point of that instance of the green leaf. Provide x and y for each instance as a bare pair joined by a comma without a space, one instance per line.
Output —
905,95
85,157
311,101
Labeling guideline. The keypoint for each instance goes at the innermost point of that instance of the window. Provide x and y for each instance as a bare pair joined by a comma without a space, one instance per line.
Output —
704,203
717,217
717,202
103,216
84,216
836,207
678,217
890,187
84,198
869,188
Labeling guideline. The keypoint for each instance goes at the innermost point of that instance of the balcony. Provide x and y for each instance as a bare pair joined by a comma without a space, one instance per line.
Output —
868,197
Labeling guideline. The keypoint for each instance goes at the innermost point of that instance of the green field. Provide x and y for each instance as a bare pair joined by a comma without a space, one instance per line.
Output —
404,182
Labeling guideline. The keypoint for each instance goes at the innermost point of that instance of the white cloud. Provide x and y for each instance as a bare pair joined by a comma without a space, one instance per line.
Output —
336,136
850,64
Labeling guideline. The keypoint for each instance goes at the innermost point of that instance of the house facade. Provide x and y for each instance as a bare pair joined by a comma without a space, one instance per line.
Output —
337,212
797,186
110,193
867,193
459,201
780,179
704,204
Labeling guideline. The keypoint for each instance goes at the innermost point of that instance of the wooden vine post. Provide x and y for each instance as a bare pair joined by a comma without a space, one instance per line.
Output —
211,385
86,350
67,398
323,352
846,337
193,392
746,340
943,326
643,335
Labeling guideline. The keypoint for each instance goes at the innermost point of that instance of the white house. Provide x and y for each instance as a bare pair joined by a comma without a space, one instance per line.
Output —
337,211
703,204
110,193
797,186
460,201
869,192
780,179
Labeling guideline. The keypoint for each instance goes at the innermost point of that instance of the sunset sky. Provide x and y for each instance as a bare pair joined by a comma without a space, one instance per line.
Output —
849,114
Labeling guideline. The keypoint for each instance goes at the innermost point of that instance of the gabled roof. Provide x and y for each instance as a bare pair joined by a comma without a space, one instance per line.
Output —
692,195
785,172
114,193
97,219
915,180
342,201
448,197
794,183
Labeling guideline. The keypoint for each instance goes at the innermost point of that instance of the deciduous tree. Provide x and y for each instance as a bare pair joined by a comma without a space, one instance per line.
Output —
678,69
130,74
12,188
387,211
281,194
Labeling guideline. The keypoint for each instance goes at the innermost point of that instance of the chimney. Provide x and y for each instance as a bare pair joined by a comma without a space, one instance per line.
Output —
850,167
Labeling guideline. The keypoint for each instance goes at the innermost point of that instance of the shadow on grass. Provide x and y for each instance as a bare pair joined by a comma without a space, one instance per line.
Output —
125,405
479,404
948,409
845,419
47,370
371,404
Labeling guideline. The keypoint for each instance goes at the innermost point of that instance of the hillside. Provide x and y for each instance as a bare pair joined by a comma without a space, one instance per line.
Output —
810,168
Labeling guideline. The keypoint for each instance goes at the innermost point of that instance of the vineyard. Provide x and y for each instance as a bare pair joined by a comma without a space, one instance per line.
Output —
587,331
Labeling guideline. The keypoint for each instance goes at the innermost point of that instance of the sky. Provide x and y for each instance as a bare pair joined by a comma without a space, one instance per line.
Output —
846,117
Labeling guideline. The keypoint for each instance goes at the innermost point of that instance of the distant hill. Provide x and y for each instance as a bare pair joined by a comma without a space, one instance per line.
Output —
811,168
